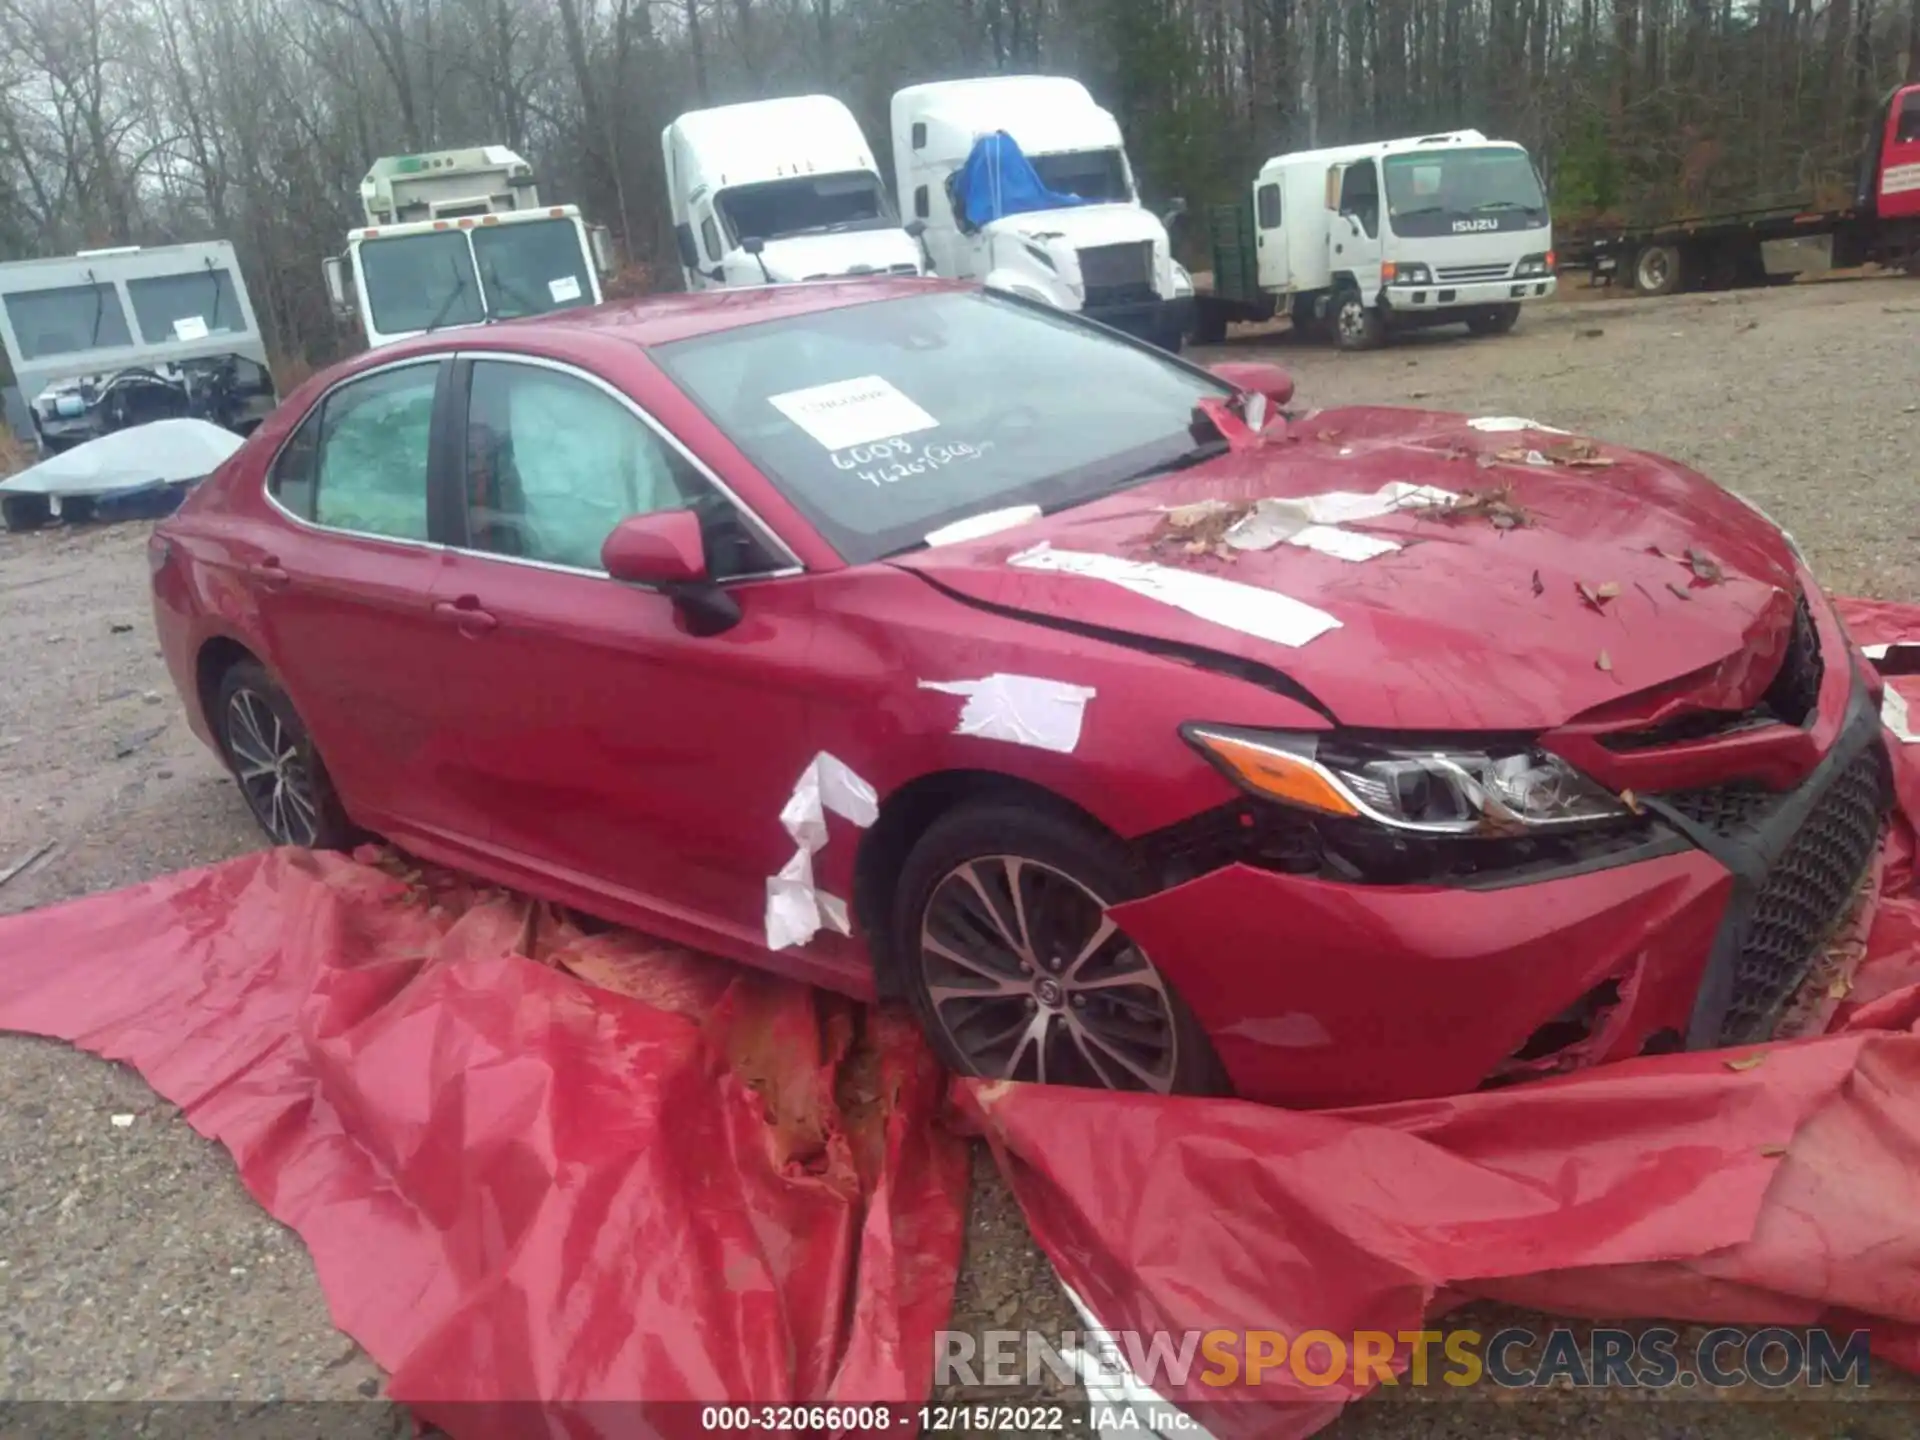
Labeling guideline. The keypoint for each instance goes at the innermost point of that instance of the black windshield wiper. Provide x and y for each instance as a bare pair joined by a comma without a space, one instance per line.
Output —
213,320
1503,205
99,309
446,309
1418,210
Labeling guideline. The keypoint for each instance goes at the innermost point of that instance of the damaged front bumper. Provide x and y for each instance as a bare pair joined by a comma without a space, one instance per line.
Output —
1320,992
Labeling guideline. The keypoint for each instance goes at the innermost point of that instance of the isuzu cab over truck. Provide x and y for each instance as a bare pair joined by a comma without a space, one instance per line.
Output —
1361,240
1022,182
779,190
459,237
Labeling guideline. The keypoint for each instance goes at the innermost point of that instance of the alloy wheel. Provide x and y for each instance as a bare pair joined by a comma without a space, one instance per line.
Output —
1353,320
272,773
1029,980
1654,267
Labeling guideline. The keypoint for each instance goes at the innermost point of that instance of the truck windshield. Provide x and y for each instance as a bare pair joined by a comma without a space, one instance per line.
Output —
187,306
532,267
1443,192
420,282
1097,175
806,205
66,319
885,420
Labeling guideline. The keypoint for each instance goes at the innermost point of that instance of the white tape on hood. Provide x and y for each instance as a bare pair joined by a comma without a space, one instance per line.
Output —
1263,614
1021,709
1505,424
796,910
1893,715
1312,521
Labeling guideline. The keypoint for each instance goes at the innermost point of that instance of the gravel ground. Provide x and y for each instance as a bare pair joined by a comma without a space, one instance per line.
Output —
133,1267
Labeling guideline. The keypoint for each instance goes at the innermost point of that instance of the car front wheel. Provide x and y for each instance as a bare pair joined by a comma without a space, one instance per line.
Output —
274,762
1017,973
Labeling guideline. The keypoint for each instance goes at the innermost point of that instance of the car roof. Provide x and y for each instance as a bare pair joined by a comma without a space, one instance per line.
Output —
662,319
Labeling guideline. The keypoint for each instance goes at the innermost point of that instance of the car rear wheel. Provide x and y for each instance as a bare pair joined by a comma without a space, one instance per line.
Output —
1015,971
274,762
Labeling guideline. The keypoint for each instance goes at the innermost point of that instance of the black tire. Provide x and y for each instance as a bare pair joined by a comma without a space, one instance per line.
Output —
1494,320
1209,325
26,512
294,802
1355,324
1658,270
1067,871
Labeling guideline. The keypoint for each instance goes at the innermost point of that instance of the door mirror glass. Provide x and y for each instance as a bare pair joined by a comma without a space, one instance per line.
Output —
683,239
600,239
339,292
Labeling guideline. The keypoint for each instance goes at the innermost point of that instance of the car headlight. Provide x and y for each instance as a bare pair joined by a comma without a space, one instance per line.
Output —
1541,264
1411,274
1500,790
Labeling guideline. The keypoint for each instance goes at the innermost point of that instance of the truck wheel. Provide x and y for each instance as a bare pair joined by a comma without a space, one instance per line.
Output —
1656,270
26,512
1494,320
1355,325
1209,325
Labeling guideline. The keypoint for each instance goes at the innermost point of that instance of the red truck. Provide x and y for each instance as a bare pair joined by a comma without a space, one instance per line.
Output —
1717,252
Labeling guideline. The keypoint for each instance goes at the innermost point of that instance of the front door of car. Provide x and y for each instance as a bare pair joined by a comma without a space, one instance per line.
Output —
342,592
611,746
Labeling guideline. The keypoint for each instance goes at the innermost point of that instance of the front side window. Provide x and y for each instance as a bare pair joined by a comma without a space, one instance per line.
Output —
370,476
805,205
1093,175
885,420
188,306
1909,130
1360,195
532,267
710,234
554,463
1267,200
294,470
1455,191
67,319
420,282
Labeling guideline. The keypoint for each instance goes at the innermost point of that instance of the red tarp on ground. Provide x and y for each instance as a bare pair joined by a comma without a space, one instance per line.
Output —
686,1182
1687,1187
515,1186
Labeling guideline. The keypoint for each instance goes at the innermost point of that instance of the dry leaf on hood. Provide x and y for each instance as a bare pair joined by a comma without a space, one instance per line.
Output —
1773,1152
1605,662
1632,802
1705,567
1679,590
1747,1062
1607,591
1538,588
1591,595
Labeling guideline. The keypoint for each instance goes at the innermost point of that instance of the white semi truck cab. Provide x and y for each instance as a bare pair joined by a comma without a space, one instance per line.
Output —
459,237
1080,240
1362,240
775,191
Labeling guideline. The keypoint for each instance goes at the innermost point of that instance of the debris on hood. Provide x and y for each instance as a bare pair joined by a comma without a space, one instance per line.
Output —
1506,424
1579,454
1020,709
1496,506
1705,567
1218,528
1513,455
1200,528
1597,596
1263,614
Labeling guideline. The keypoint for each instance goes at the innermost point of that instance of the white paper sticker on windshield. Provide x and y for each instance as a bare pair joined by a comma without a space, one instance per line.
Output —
564,289
190,327
852,412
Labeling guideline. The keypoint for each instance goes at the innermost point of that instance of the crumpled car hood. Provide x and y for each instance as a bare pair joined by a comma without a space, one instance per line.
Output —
1468,626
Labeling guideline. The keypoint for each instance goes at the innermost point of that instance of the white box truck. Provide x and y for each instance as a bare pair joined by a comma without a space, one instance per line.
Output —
1362,240
459,237
775,191
1101,253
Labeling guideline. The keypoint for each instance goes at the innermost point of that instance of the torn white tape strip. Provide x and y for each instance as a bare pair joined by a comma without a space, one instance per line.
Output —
1893,715
1281,518
975,526
1503,424
1022,709
796,909
1124,1404
1227,603
1342,544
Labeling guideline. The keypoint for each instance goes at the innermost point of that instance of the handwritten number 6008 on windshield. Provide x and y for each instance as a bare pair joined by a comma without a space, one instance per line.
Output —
895,460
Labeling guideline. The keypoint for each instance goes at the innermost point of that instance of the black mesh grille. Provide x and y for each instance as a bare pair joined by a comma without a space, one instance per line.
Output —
1795,692
1117,274
1729,810
1806,894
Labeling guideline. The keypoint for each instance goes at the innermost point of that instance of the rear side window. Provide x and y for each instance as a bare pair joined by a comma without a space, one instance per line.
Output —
1909,130
371,475
291,479
1267,199
710,235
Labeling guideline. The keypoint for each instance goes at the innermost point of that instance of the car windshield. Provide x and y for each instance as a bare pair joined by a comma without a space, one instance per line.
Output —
67,319
187,306
887,420
532,267
1428,192
1099,175
805,205
420,282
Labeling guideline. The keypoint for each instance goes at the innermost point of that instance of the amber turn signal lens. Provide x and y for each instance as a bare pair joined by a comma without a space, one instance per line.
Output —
1276,773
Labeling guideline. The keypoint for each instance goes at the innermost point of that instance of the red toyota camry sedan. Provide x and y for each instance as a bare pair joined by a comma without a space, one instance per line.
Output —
915,641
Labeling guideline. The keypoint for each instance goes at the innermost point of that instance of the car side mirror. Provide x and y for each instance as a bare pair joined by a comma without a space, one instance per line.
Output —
666,551
1176,212
1254,377
916,228
753,244
339,293
600,239
683,241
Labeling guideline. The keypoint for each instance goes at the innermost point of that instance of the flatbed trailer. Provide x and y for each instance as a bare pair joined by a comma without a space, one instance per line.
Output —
1718,252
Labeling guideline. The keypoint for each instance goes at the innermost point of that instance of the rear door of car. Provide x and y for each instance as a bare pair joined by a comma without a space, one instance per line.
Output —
341,588
610,747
